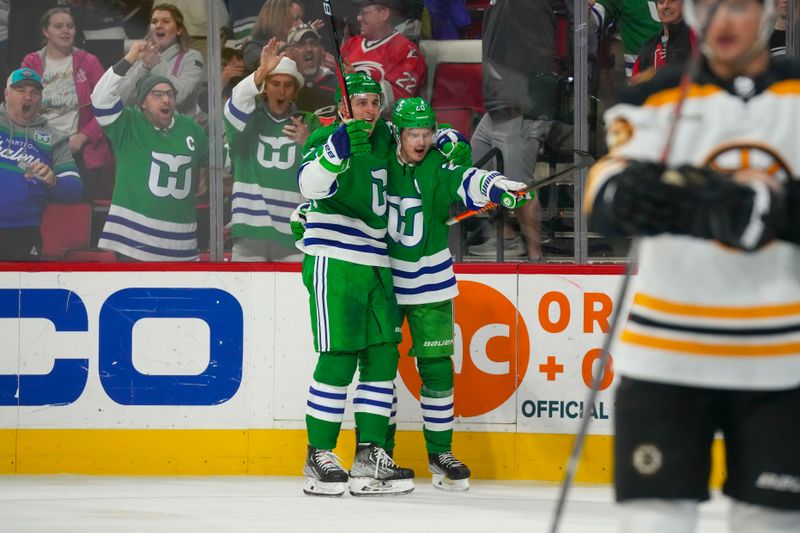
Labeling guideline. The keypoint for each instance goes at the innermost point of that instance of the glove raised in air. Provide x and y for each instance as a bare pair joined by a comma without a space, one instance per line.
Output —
454,146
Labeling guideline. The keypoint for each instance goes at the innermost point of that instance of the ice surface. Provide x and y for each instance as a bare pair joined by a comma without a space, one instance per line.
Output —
276,504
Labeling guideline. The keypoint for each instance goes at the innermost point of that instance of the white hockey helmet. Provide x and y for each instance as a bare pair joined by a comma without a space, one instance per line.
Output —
696,12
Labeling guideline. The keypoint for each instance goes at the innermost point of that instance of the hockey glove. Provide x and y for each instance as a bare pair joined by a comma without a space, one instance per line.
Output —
744,216
453,146
459,153
791,225
349,140
297,221
503,191
640,202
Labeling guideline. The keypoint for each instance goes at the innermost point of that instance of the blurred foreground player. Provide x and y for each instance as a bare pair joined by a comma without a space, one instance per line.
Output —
712,341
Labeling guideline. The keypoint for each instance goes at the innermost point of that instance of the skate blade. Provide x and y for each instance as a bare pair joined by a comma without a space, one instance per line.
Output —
367,486
455,485
315,487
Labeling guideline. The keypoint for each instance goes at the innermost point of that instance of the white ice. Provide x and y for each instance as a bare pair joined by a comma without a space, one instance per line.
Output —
71,503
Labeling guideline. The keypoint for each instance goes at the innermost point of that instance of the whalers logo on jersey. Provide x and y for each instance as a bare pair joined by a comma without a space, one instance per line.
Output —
406,222
276,152
379,180
42,137
170,175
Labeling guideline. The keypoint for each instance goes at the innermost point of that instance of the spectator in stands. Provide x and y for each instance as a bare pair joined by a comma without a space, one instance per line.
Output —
69,75
410,22
232,70
266,135
777,43
383,53
317,94
243,14
161,160
23,17
636,22
35,166
519,90
673,45
196,20
274,20
168,54
102,23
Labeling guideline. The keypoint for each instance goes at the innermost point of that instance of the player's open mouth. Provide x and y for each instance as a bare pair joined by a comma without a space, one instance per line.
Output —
165,111
419,151
725,40
26,108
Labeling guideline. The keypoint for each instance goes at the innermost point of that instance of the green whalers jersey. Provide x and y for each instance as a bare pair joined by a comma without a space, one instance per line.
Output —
157,170
265,163
419,204
350,222
152,214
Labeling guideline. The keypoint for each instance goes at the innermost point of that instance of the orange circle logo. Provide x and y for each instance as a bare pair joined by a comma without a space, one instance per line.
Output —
489,333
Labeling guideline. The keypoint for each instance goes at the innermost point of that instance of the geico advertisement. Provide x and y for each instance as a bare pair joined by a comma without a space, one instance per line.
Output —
234,350
129,349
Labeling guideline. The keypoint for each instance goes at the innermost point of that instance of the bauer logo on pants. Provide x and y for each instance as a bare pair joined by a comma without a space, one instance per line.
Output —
489,332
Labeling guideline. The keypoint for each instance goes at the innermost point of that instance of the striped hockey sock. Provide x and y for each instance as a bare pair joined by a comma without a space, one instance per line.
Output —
373,408
324,414
437,419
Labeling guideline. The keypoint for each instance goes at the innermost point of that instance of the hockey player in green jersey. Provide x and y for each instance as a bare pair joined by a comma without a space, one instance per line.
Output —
161,160
354,314
266,137
422,186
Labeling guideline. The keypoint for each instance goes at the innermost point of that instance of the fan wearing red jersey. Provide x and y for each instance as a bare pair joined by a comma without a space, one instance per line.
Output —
383,53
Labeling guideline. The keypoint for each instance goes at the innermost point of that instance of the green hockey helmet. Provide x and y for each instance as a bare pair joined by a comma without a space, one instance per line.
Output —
413,112
358,83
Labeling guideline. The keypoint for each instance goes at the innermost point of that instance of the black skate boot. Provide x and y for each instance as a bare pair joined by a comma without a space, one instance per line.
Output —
374,473
324,473
448,472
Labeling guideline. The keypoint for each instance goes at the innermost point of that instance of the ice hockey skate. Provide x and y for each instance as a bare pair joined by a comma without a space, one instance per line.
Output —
324,473
448,472
374,473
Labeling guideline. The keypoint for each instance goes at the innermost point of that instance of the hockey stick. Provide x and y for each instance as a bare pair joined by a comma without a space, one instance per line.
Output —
688,77
585,160
334,43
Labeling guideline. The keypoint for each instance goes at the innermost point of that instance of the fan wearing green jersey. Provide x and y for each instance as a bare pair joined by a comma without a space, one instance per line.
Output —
266,134
354,314
423,184
161,161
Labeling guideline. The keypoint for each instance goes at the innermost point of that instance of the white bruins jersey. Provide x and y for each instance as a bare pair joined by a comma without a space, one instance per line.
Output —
703,314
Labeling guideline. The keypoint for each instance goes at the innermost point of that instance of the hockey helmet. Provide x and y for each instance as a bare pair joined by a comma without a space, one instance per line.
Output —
413,112
358,83
696,13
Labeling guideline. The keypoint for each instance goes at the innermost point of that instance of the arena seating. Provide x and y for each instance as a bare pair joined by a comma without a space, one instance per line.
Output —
65,227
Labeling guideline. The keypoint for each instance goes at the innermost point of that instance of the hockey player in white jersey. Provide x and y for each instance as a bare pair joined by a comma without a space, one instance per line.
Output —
712,340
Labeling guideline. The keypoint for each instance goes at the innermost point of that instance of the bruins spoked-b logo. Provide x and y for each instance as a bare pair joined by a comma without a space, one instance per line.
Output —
730,157
647,459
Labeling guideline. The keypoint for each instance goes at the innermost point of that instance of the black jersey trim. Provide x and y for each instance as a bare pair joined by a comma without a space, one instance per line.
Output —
730,332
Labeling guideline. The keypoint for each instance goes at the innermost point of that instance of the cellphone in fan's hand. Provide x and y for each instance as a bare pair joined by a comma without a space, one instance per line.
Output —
24,165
